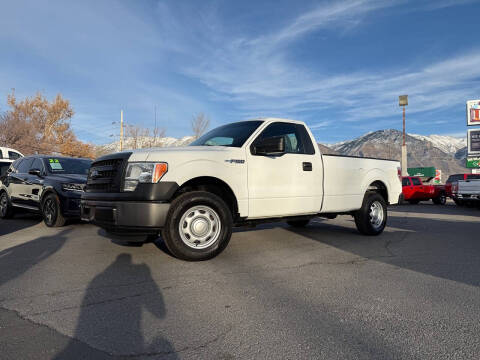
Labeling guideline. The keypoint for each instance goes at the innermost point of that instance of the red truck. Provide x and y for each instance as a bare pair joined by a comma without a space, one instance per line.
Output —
415,191
455,177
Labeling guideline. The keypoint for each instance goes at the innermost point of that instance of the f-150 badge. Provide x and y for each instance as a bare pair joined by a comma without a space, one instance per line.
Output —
235,161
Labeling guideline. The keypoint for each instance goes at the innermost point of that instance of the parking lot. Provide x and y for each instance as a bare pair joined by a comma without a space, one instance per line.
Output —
276,292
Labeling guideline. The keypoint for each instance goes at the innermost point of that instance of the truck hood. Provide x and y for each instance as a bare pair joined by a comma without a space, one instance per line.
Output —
215,153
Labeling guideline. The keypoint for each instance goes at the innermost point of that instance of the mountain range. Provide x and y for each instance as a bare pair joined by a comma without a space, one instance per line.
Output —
446,153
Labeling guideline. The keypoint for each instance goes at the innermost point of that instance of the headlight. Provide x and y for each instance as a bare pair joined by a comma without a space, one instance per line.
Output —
73,187
144,173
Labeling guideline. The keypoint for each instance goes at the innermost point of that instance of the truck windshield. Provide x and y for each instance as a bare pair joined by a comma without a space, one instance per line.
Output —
68,166
233,135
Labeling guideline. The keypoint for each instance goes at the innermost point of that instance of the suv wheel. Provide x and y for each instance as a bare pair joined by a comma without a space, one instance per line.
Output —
198,226
52,215
372,216
6,209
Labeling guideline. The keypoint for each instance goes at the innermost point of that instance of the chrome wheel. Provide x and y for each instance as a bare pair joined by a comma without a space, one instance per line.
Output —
3,204
199,227
376,215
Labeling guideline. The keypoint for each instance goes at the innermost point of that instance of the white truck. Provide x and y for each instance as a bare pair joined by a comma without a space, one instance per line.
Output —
238,174
466,192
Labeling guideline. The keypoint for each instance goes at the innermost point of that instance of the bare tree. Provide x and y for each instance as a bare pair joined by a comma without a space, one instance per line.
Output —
158,133
200,124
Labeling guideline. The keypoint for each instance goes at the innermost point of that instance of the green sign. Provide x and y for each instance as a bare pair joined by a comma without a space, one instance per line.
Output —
473,163
422,172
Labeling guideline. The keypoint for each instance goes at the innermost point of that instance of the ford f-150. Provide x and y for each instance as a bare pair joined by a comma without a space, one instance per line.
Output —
238,174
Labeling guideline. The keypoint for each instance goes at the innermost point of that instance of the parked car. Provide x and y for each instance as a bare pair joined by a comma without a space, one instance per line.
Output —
466,192
242,173
10,154
456,177
4,165
414,191
50,185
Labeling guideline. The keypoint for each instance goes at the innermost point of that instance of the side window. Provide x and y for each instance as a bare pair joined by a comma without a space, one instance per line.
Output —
308,147
416,182
473,176
24,166
290,133
14,155
405,182
37,164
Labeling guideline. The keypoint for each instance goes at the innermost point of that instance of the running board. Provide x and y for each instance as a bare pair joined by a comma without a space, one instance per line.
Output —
25,206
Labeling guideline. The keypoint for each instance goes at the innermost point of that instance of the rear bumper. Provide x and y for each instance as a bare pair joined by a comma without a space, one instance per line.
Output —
126,216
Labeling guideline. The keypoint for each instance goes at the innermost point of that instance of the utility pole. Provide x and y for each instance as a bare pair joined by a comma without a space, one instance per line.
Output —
403,101
155,128
121,130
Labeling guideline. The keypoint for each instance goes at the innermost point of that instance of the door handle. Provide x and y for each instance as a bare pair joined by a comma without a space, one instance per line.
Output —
307,166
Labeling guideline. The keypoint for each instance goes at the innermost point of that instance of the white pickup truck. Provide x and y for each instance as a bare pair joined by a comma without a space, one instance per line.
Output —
238,174
466,191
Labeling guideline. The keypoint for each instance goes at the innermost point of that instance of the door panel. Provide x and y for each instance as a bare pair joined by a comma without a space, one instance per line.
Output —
290,184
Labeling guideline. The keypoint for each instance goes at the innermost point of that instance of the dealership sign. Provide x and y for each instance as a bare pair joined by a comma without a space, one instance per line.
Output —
473,140
473,112
473,163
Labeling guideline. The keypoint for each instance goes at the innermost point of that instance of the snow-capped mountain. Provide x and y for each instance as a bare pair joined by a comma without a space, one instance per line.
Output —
446,153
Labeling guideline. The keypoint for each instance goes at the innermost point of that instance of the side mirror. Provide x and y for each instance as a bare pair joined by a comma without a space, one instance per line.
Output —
274,145
37,172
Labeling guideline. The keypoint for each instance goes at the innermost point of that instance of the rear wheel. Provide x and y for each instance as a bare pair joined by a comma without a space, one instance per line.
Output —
440,199
6,209
298,223
52,215
198,226
371,218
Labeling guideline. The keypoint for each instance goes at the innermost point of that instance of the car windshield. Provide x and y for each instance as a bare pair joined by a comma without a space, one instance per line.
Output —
233,135
68,166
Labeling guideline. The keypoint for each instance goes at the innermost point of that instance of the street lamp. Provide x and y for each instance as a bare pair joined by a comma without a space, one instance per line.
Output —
403,101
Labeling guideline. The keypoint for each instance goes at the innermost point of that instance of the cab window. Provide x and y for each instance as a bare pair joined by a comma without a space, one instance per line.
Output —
37,164
416,181
405,182
14,155
295,138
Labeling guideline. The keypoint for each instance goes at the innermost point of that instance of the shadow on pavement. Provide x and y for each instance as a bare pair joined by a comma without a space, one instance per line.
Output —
19,222
445,249
111,316
18,259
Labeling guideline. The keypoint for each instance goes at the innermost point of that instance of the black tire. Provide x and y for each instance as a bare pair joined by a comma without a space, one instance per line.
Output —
6,209
363,220
298,223
458,202
413,202
51,211
440,199
216,217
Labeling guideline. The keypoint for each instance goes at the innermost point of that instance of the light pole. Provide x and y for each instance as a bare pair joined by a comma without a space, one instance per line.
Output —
403,101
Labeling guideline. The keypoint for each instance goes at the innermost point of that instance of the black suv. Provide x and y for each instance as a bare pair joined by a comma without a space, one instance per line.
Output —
51,185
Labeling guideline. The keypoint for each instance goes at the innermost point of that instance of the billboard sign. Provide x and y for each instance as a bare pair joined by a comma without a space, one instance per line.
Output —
473,163
473,140
473,112
438,176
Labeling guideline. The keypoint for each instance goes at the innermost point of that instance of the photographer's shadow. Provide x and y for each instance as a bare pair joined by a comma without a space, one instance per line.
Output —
110,320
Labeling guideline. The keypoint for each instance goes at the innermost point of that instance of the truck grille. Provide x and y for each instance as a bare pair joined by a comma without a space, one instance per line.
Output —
105,175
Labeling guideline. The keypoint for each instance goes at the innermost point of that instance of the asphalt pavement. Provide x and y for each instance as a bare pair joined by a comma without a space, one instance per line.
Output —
322,292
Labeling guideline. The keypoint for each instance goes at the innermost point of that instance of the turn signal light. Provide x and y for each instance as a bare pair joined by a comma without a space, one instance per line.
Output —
160,170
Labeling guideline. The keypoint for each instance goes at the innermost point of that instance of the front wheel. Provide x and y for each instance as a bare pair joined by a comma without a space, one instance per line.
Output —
6,209
52,215
198,226
371,218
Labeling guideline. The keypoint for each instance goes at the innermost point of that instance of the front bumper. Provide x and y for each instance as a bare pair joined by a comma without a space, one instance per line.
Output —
126,216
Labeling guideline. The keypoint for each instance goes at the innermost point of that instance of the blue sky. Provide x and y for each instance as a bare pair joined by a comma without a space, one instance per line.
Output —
337,65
